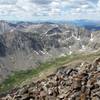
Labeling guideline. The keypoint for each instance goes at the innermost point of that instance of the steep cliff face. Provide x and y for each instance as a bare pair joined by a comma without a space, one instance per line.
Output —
24,45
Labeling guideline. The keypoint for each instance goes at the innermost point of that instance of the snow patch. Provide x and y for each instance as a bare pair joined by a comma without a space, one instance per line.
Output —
62,55
83,48
70,52
42,52
70,47
11,30
36,52
91,39
77,38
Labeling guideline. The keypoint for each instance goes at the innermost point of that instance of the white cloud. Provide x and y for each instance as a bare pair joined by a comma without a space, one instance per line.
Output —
7,2
40,9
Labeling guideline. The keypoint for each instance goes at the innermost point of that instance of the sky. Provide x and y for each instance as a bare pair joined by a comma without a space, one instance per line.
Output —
31,10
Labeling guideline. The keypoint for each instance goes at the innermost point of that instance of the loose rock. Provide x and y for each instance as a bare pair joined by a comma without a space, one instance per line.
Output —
64,84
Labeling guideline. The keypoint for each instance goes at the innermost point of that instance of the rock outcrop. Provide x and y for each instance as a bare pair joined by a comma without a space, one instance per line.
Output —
79,83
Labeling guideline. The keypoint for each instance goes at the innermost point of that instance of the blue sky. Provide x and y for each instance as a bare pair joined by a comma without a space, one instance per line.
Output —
49,9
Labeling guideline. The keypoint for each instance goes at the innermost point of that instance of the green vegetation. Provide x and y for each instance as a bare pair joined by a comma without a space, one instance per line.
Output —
18,77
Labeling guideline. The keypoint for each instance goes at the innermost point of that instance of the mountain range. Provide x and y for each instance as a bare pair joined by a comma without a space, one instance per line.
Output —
25,45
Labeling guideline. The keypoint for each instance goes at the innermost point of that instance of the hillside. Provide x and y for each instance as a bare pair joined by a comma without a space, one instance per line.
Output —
79,81
32,51
24,77
26,45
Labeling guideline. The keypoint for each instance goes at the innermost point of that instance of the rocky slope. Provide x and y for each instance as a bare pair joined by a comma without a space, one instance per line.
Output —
24,45
81,82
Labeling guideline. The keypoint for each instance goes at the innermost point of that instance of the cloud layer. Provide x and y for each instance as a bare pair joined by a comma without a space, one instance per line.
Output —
49,9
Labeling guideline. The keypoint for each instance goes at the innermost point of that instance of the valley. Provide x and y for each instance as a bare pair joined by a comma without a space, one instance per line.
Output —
31,52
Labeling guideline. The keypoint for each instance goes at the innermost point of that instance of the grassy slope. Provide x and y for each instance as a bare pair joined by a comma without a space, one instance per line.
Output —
44,69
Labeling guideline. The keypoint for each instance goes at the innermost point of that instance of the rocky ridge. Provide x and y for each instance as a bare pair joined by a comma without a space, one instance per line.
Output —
25,45
79,83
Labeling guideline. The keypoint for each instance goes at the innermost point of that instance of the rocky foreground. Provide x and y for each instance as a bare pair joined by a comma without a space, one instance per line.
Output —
79,83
